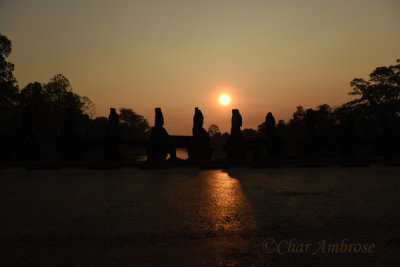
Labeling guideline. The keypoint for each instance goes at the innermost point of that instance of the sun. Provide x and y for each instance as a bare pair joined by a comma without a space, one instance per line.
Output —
224,99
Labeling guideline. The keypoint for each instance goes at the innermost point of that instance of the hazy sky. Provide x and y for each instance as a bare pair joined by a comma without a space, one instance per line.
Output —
269,55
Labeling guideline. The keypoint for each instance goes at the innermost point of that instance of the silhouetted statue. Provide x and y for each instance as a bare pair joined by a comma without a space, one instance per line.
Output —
311,145
236,147
159,144
69,142
200,143
198,119
269,125
39,133
113,121
273,144
159,120
386,140
236,122
349,135
111,150
31,151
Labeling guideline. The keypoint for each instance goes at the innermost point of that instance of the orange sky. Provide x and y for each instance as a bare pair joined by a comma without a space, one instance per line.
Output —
269,55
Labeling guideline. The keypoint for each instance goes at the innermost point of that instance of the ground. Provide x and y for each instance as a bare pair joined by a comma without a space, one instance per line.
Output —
193,217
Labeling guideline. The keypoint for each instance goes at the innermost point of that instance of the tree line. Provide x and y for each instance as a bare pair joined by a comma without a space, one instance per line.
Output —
34,118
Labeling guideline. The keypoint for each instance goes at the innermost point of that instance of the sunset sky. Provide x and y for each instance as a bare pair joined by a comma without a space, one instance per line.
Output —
268,56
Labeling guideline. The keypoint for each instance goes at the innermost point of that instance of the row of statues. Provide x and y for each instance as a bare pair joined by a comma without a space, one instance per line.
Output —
42,138
236,146
160,144
199,148
71,145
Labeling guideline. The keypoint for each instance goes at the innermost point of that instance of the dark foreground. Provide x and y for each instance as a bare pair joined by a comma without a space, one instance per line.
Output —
193,217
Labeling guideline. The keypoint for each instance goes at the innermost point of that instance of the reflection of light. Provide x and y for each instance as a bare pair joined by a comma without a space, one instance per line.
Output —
228,207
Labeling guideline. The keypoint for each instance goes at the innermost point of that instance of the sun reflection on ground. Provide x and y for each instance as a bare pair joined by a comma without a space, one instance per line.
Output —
228,207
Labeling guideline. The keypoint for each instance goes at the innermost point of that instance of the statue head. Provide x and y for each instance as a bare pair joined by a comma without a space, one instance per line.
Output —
159,120
113,118
236,119
198,118
270,120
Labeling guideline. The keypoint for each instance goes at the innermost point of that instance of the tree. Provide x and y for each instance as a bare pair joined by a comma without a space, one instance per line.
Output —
299,115
59,92
377,108
250,133
133,124
381,93
8,100
213,130
53,106
324,109
32,94
261,128
8,83
88,107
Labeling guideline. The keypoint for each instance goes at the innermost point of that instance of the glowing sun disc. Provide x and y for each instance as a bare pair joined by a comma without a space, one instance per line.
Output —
224,99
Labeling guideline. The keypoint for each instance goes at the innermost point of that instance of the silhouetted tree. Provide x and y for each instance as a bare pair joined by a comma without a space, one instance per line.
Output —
329,131
299,115
217,141
8,101
261,128
88,107
34,118
133,125
379,102
53,109
213,130
8,83
250,133
296,133
382,89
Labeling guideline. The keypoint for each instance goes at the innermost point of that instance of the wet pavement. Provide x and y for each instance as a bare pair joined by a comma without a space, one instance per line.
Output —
194,217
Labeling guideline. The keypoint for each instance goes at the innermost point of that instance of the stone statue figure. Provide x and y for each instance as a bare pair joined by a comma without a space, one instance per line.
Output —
199,147
236,147
159,144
